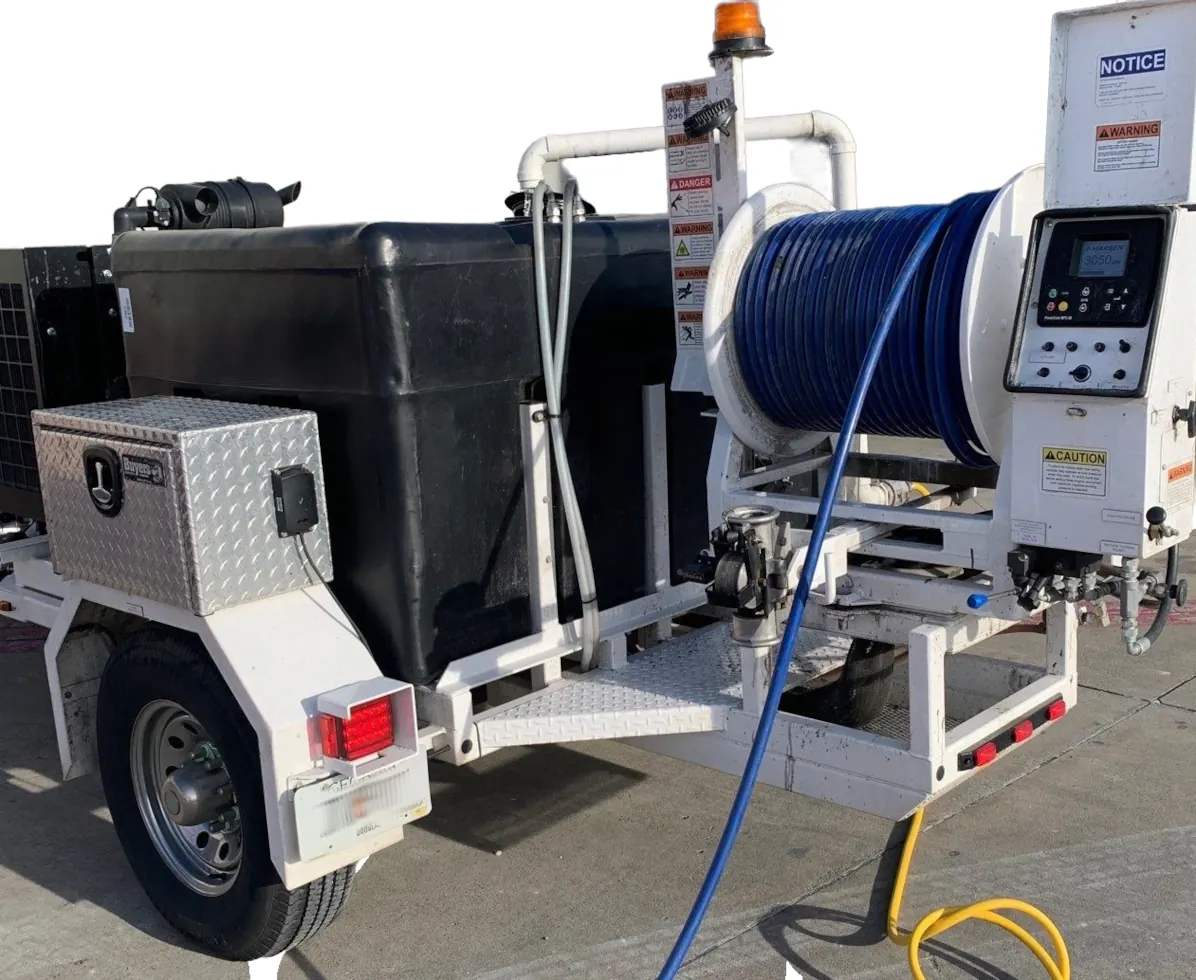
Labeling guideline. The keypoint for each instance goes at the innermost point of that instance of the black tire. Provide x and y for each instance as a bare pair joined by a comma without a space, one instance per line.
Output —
256,916
858,696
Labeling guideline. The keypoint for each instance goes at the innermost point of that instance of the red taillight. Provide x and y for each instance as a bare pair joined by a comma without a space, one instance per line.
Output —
369,728
1023,731
986,753
1056,710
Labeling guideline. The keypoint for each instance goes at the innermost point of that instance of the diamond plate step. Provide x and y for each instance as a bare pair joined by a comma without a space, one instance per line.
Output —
683,685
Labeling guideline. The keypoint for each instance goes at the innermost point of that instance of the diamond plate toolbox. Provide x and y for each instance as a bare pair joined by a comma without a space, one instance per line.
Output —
170,499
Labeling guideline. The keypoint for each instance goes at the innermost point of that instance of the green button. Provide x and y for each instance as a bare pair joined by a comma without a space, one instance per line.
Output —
1053,293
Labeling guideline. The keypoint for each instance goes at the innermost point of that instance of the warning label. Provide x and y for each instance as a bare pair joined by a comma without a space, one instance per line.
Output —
1077,471
689,328
690,286
1128,146
691,196
686,153
693,240
1178,487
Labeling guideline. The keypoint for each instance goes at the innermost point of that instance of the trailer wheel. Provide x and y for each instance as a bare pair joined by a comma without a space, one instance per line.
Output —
182,776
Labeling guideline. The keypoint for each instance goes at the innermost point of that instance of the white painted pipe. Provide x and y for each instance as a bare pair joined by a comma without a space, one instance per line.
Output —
819,126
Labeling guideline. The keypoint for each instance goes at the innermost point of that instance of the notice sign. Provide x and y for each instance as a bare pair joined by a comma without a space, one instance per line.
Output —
1138,76
1076,471
1128,146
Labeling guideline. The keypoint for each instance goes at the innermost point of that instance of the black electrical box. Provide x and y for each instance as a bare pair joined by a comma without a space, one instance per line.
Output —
415,345
295,505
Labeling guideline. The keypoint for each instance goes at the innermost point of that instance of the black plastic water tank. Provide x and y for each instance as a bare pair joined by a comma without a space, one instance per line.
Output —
415,344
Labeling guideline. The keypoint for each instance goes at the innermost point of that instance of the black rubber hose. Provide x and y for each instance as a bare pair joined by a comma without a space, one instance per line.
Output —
1164,610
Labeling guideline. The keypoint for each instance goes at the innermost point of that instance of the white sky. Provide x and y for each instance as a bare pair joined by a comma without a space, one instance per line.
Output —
417,110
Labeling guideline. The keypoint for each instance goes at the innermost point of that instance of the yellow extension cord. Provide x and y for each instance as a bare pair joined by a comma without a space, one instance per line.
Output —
940,920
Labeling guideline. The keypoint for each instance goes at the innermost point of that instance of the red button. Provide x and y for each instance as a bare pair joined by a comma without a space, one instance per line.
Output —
1050,307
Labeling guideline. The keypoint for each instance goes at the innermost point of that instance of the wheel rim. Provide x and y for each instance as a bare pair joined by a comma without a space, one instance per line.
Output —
206,857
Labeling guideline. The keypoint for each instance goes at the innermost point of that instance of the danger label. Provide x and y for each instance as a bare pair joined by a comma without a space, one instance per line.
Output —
689,286
1128,146
1075,471
690,196
693,240
1178,488
689,328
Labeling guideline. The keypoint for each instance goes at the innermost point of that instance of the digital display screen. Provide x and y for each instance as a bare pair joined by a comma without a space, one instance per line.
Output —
1101,259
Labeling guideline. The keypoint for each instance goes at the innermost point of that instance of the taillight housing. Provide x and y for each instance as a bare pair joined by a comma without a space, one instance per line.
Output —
369,729
986,753
1056,710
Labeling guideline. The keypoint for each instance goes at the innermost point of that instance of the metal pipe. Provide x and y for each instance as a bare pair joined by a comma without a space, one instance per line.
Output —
819,126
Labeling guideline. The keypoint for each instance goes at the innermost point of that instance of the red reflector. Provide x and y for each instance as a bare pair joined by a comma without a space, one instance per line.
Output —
1056,710
1023,731
368,729
986,753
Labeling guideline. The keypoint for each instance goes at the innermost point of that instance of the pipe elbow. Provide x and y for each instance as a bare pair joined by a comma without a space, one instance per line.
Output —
832,131
531,164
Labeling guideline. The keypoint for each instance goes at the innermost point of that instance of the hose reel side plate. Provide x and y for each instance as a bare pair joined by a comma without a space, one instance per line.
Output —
767,207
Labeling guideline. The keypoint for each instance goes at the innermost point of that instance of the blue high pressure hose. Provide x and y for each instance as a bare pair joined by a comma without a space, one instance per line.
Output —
879,242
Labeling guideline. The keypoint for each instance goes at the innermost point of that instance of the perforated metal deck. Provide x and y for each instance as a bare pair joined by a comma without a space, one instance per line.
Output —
683,685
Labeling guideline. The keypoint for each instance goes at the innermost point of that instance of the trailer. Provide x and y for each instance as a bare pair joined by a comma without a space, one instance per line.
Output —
306,509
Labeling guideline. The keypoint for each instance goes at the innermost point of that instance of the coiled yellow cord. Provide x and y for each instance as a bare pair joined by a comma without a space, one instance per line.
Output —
940,920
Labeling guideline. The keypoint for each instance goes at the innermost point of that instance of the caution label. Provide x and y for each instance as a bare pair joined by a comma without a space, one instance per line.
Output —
1128,146
689,328
693,240
1066,469
1178,486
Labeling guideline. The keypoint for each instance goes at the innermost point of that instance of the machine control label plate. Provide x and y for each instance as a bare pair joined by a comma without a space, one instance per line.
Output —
1066,469
1028,532
1127,146
1138,76
126,309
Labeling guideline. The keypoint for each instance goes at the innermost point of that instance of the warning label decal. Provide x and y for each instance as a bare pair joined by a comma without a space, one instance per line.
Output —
689,328
1178,487
1066,469
693,240
1128,146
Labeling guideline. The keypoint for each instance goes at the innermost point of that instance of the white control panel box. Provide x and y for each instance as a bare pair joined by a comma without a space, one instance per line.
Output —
1122,110
1103,383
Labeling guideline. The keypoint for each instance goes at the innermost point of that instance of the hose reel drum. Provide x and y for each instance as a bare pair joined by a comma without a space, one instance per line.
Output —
990,289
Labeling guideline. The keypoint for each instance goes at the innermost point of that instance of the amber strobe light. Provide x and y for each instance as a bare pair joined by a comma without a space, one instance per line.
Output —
736,21
738,31
368,729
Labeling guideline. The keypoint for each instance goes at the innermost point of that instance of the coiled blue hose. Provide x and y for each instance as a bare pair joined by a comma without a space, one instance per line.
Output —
922,242
809,301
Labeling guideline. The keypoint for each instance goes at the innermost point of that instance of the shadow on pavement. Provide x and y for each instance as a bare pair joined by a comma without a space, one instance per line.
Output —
869,929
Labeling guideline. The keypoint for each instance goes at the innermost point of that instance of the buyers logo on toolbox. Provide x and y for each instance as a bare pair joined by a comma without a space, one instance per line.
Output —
1138,63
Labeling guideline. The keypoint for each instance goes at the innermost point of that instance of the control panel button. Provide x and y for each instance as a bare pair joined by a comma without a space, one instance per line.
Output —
1051,294
1082,373
1050,307
1108,306
1049,345
1123,346
1063,306
1044,372
1086,291
1083,307
1072,345
1119,374
1099,347
1110,291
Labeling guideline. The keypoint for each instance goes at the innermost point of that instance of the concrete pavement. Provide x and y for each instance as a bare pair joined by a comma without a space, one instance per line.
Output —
603,845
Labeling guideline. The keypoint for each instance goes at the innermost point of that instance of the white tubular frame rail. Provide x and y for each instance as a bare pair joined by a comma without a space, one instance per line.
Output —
821,127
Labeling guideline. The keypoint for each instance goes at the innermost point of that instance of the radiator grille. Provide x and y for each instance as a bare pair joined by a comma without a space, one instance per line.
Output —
18,391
